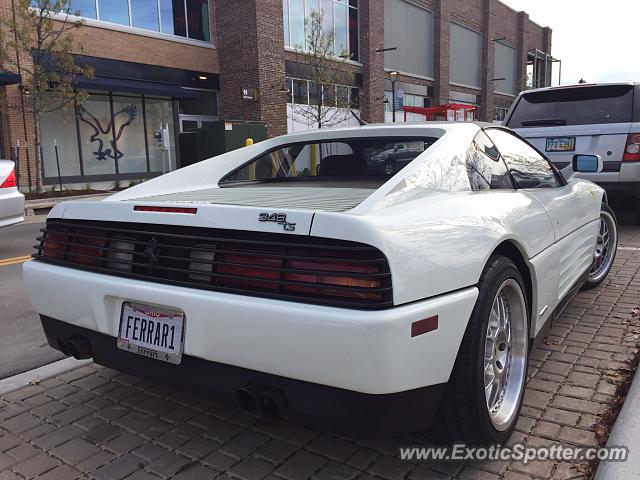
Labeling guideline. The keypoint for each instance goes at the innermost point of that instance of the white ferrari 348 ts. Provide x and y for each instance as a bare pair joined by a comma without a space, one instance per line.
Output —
371,279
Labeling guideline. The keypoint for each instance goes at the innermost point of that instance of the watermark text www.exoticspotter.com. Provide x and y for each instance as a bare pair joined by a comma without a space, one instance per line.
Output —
517,452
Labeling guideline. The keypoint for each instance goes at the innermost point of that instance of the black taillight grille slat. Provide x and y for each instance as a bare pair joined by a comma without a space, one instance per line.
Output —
214,239
249,263
301,271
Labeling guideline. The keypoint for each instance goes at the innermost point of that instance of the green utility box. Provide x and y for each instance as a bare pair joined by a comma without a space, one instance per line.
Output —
215,138
227,135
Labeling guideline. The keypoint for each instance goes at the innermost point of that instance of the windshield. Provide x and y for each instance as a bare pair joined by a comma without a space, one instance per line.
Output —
358,158
574,106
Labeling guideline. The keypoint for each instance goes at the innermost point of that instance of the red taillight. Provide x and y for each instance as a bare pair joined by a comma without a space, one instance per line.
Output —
86,250
10,181
322,277
632,148
248,268
53,246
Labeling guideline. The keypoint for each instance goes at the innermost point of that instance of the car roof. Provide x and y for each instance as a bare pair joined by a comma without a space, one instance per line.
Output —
578,85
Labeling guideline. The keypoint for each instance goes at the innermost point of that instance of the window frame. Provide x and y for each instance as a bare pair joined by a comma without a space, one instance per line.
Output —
562,182
287,38
500,159
86,177
290,96
222,183
129,28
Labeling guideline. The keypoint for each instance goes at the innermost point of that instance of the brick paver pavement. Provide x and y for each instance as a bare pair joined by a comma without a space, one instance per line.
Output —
97,423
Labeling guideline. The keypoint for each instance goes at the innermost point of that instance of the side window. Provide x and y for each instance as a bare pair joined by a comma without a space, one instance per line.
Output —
485,168
528,168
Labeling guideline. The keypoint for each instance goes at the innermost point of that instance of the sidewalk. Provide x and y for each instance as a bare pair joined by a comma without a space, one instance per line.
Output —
93,422
626,432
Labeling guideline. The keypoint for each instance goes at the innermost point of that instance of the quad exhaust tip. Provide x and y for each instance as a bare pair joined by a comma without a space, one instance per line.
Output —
270,400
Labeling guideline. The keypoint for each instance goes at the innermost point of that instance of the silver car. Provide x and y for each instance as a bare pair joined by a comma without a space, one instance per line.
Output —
11,200
599,119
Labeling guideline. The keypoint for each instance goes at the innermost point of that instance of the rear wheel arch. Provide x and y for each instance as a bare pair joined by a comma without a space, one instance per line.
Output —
513,251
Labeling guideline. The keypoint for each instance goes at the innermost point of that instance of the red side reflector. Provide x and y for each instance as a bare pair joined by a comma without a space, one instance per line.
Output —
140,208
424,326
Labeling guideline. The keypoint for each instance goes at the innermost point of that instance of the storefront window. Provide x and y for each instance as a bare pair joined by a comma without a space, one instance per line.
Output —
338,18
115,11
144,14
128,128
59,129
160,135
303,92
120,136
96,136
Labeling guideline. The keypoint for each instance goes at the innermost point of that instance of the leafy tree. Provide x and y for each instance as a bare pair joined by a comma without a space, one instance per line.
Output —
328,73
37,41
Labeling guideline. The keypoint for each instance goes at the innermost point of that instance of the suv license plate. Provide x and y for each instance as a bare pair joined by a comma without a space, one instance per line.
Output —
561,144
155,332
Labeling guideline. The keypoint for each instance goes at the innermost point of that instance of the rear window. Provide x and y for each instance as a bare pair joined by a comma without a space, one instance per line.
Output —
361,159
574,106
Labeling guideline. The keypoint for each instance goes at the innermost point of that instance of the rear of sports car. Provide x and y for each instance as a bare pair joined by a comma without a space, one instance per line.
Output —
276,296
11,200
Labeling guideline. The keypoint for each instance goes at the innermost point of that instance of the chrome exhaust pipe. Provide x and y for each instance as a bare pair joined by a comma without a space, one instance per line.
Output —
79,347
272,402
248,396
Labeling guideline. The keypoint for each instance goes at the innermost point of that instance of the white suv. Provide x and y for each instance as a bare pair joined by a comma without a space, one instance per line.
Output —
598,119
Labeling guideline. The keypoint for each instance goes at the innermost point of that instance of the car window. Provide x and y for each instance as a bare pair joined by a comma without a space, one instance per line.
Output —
581,105
528,168
485,167
357,158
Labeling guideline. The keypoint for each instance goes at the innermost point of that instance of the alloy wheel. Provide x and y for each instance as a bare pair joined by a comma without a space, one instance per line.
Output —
505,354
606,244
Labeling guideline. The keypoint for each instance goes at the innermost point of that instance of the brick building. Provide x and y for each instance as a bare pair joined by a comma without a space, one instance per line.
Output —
168,68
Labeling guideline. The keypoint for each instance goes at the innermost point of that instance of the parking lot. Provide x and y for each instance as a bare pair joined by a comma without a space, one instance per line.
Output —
94,422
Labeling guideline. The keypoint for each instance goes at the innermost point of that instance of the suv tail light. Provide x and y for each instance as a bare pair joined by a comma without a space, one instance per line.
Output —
632,148
10,181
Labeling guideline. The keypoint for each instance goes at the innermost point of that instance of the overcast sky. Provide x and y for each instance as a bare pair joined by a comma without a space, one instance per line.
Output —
596,40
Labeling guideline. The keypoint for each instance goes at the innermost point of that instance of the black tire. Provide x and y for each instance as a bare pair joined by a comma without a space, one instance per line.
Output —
636,209
463,414
605,210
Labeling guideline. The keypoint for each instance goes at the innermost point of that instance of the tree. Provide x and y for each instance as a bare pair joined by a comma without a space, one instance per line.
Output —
329,75
36,41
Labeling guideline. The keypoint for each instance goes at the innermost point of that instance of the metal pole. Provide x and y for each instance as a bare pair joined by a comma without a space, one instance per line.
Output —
560,73
15,153
393,100
55,147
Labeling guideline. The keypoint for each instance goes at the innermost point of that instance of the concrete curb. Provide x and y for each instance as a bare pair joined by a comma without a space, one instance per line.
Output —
37,374
31,205
625,433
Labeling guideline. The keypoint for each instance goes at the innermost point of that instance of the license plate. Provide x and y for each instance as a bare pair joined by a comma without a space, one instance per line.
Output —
155,332
561,144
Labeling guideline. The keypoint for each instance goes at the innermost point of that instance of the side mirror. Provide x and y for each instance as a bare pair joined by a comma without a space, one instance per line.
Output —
587,163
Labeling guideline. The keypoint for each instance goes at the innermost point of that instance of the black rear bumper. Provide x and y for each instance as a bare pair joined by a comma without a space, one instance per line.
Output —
319,406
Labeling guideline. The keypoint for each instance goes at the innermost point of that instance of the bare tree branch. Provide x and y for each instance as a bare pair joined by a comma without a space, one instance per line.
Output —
328,74
39,44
